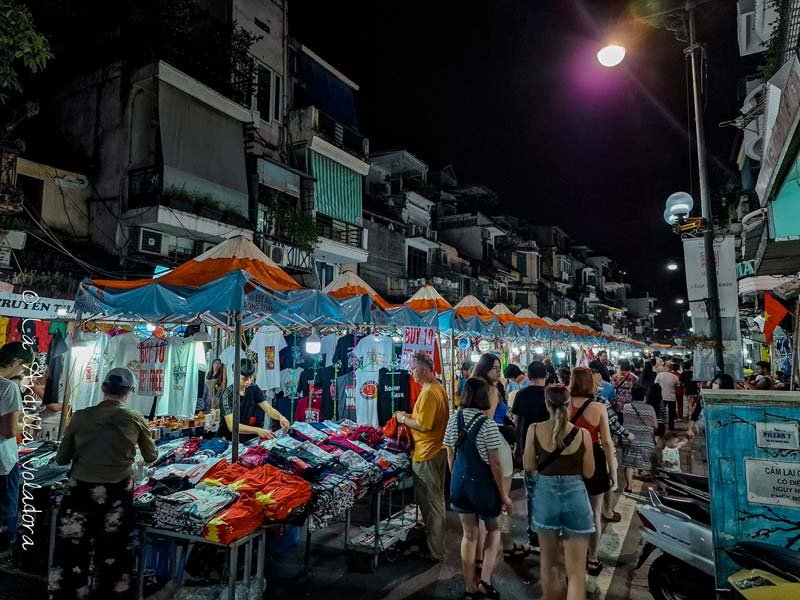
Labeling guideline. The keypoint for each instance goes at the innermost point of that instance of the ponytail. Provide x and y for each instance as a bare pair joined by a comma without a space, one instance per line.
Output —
557,398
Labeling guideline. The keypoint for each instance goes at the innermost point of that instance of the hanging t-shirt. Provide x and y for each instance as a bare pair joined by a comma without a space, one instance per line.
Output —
309,408
227,357
3,329
346,396
321,380
267,344
85,361
393,393
373,353
329,348
294,353
343,355
123,351
290,382
185,358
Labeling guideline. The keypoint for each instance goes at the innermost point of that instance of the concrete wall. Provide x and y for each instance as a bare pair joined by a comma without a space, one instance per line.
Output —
386,256
65,197
467,240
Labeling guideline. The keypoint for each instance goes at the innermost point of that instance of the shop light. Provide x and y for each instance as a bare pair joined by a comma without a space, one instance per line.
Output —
151,327
749,361
744,351
575,346
561,354
522,348
313,344
691,329
474,357
538,350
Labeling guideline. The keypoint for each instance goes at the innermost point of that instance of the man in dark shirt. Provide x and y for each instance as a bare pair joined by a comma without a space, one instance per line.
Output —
529,407
601,364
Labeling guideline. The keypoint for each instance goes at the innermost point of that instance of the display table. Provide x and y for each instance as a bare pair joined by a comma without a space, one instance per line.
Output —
183,540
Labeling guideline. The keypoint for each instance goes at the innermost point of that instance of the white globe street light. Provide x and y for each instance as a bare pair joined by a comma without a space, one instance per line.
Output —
679,301
611,55
679,205
672,266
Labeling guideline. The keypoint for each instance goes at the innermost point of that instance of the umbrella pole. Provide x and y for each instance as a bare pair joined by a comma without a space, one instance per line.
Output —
237,369
453,387
68,391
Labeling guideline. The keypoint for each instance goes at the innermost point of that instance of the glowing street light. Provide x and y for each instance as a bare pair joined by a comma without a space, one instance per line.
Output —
679,301
658,310
672,266
611,55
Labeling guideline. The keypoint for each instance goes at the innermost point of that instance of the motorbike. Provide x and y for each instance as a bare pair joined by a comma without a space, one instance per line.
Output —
680,526
768,572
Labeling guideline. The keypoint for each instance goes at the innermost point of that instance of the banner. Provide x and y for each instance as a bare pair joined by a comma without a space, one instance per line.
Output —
152,355
696,284
31,306
417,339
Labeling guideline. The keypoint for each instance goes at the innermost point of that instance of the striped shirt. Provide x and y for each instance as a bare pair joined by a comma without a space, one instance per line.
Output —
613,418
488,437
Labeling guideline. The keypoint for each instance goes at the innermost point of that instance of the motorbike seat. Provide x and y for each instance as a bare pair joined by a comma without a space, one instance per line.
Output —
695,509
697,482
775,559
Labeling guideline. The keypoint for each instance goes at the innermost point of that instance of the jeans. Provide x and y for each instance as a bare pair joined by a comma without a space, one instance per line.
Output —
9,503
530,488
671,408
429,492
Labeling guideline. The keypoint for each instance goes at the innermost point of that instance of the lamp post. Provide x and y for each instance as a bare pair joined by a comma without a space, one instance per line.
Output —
712,301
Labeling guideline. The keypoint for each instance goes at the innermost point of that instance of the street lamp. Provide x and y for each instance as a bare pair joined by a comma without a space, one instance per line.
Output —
611,55
672,215
679,301
672,266
658,310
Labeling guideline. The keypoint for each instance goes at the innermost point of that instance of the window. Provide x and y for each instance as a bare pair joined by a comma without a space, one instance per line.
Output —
276,115
417,263
325,274
261,25
264,92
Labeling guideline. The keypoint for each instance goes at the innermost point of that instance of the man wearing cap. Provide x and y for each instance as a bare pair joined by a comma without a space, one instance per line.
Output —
96,515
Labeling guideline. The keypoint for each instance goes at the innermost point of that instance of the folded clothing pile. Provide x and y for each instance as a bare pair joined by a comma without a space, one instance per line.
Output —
238,520
279,494
306,431
333,494
188,511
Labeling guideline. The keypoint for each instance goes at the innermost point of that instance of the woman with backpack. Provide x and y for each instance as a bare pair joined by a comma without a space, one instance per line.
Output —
473,444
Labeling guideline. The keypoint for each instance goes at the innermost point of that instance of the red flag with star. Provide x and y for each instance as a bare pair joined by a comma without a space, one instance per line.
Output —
774,312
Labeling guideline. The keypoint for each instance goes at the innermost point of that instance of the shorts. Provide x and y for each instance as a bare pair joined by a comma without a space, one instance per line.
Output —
562,505
598,483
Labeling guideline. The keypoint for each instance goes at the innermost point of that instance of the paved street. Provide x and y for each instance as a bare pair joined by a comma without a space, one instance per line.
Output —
408,578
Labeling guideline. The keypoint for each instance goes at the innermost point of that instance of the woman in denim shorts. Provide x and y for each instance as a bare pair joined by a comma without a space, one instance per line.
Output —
561,456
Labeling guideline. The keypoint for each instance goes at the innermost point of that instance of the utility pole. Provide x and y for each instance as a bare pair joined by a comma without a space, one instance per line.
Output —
712,302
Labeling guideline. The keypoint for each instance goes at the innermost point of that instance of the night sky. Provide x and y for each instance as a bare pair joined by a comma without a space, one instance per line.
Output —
510,93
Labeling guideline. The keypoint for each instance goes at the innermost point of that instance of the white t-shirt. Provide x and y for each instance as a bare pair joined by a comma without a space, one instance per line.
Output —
123,351
373,353
227,357
267,343
10,401
85,363
668,382
185,358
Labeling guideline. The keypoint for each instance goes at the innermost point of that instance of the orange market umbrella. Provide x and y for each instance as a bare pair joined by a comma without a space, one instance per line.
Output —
529,317
427,298
236,253
348,284
470,306
504,314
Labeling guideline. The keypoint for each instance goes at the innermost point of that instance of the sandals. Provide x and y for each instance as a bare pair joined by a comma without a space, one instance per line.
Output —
614,518
594,567
490,590
517,552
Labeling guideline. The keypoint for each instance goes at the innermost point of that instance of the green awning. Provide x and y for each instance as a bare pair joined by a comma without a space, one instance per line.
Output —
784,214
337,192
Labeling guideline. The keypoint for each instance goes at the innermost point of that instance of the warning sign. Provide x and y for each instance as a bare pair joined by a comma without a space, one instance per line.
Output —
773,482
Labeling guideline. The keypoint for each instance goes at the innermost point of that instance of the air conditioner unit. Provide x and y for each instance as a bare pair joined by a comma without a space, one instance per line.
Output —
201,247
437,281
279,255
150,241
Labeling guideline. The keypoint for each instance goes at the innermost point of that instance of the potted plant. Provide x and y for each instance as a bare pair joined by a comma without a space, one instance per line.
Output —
178,198
206,206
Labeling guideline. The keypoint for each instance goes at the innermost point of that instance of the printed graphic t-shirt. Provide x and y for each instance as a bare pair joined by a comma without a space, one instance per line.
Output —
185,358
373,353
393,393
267,344
346,397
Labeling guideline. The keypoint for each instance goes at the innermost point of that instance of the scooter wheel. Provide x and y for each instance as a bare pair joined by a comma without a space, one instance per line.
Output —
671,579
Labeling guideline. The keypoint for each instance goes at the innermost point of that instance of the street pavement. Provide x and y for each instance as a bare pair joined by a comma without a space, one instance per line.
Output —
407,577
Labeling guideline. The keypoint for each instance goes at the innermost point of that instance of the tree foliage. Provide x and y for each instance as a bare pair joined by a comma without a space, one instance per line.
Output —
21,46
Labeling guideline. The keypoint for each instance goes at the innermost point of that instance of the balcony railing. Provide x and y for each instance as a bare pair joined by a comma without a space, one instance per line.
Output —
339,231
344,137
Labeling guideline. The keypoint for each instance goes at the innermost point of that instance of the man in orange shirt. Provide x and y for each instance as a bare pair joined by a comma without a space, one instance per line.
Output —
428,423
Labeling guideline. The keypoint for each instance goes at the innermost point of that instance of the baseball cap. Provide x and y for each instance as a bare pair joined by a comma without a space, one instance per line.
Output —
121,376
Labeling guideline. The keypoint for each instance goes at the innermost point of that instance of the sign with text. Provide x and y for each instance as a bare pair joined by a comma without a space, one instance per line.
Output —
152,356
777,435
417,339
773,482
696,284
31,306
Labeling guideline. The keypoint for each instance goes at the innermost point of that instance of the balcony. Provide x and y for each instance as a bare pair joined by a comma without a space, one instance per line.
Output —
417,231
284,253
340,242
305,123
